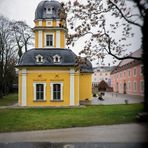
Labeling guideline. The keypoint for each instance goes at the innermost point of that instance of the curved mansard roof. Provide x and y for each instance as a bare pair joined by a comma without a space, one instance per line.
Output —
67,58
29,58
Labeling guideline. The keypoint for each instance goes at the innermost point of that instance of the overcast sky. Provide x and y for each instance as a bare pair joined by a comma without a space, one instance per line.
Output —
25,10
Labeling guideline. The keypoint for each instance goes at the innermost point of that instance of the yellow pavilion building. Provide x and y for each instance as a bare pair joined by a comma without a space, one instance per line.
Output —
49,74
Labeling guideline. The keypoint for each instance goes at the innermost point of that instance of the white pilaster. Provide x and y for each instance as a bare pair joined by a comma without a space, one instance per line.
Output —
24,88
40,23
72,85
57,23
51,91
40,39
57,39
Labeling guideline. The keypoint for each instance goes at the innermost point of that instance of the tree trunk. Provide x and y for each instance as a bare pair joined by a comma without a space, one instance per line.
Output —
145,56
25,46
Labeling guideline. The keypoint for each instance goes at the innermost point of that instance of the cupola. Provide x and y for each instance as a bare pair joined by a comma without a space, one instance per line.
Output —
50,25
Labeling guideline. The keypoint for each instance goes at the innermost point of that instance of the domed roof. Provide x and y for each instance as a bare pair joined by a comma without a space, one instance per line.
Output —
48,10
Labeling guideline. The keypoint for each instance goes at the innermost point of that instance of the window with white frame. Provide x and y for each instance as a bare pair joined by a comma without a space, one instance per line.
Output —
49,40
134,86
124,73
120,86
39,59
49,10
56,58
142,85
56,91
120,74
141,70
129,86
135,71
39,91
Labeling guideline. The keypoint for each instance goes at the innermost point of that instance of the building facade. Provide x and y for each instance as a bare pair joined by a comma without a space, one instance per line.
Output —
127,77
101,74
49,73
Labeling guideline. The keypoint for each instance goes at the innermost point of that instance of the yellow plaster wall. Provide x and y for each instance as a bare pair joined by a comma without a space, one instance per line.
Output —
36,39
82,85
85,86
48,75
44,23
62,34
54,23
62,37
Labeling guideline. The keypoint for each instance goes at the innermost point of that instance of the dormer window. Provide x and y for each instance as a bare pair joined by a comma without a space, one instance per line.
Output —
56,59
39,59
49,10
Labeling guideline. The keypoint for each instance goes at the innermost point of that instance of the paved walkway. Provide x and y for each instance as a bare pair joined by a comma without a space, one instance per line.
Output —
115,98
112,133
109,98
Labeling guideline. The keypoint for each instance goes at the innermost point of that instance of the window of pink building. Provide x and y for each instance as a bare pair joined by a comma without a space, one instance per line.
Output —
142,86
134,86
124,73
135,71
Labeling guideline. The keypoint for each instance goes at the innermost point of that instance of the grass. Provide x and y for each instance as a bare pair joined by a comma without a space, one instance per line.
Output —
9,99
51,118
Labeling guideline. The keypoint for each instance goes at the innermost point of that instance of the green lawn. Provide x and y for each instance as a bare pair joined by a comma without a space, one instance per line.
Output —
49,118
9,99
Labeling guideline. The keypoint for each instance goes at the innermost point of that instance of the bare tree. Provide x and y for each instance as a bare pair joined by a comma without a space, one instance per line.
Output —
23,35
7,55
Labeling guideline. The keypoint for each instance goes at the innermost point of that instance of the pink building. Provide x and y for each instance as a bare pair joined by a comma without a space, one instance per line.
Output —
127,77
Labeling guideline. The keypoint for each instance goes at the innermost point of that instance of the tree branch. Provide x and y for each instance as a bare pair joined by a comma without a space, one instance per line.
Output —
123,16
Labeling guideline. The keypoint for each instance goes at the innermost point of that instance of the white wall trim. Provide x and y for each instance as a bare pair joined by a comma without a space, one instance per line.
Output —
24,87
58,39
72,87
51,89
57,23
40,23
34,85
40,39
